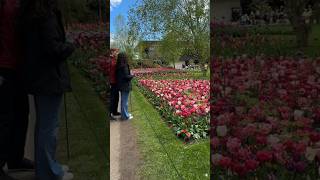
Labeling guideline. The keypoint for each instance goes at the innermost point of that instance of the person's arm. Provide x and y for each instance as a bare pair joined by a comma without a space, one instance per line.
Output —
52,44
127,74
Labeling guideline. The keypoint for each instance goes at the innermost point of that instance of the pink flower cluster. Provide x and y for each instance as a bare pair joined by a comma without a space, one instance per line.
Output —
186,97
264,115
89,40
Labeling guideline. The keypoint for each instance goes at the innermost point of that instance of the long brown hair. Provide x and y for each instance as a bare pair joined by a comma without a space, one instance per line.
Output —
122,60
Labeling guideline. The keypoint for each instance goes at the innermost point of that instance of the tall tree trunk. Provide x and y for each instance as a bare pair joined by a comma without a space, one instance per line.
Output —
302,29
302,34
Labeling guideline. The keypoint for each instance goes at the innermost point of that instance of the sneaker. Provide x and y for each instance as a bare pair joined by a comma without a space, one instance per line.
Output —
25,164
65,168
67,176
4,176
115,116
129,118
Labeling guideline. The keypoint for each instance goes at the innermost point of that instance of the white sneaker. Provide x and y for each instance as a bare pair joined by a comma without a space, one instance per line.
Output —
115,116
130,117
67,176
65,168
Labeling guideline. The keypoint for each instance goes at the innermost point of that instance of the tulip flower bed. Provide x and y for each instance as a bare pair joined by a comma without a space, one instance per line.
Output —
150,71
265,119
91,57
183,103
89,40
167,73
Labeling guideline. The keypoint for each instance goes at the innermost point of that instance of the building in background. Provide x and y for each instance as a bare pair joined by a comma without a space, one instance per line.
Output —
232,10
226,10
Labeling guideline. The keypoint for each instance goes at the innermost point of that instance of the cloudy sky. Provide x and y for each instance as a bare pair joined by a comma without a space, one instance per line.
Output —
114,3
119,7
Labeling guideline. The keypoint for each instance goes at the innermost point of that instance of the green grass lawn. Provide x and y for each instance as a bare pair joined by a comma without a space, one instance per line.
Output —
192,161
88,132
314,41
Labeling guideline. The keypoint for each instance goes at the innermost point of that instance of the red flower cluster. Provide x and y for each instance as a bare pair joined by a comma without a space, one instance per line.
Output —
264,114
186,97
90,40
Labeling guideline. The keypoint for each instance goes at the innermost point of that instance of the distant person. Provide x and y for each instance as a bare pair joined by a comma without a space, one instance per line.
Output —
124,78
252,18
245,20
46,77
307,14
114,99
14,105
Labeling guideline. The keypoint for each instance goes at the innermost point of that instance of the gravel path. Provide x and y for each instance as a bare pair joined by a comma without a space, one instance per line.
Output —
124,153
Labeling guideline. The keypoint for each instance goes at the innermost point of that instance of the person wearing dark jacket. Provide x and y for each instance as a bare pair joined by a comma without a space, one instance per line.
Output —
124,78
14,106
46,77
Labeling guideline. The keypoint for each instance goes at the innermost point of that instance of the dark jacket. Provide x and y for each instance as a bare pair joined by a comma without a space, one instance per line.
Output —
124,78
46,50
9,45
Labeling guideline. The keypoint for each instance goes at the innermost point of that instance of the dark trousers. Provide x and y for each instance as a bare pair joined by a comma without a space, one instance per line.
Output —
114,99
14,111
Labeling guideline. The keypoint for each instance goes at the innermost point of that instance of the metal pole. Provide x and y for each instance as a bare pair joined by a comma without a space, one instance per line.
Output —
67,128
131,102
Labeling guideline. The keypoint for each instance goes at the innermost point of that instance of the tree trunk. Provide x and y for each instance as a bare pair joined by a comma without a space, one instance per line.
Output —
302,34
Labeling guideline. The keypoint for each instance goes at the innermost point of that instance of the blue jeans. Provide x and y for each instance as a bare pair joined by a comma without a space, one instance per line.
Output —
124,104
46,131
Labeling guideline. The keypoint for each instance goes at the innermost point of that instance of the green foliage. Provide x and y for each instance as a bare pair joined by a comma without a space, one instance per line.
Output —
187,20
170,48
89,137
83,11
125,36
191,160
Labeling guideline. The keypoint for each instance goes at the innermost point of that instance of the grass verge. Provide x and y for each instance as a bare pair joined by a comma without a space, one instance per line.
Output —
192,161
88,132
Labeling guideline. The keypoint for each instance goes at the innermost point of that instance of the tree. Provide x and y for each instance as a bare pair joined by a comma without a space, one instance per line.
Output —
187,19
170,48
125,37
121,34
302,28
82,10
